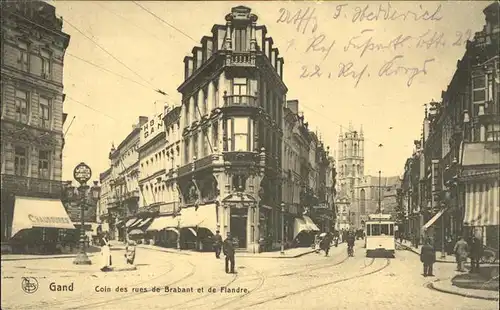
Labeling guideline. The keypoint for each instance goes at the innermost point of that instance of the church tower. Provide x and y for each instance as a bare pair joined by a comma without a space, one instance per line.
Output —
351,166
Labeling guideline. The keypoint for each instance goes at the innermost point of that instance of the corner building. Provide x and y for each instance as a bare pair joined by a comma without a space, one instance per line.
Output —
31,107
233,96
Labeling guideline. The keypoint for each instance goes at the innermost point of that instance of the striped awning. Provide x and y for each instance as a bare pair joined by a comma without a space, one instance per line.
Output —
482,203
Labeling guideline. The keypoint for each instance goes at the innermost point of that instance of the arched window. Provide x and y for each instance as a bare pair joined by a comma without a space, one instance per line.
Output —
355,149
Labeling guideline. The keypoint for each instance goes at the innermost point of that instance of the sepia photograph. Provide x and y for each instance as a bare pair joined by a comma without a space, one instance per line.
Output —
228,155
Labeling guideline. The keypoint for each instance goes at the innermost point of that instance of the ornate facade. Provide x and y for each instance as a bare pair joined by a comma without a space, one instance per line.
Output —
232,110
31,104
124,184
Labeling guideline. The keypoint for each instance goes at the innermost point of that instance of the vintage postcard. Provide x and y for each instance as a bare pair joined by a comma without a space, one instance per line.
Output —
250,155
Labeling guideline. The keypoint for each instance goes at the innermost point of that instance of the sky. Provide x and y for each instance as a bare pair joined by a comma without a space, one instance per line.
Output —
363,63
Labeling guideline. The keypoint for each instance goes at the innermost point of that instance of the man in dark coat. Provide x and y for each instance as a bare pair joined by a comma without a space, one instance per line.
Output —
228,249
428,258
217,243
326,242
476,251
350,239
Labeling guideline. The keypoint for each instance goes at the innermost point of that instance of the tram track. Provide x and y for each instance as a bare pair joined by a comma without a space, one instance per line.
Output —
203,296
261,280
314,287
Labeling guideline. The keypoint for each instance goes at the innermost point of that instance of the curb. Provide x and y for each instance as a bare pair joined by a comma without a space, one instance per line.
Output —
164,250
433,287
408,248
42,257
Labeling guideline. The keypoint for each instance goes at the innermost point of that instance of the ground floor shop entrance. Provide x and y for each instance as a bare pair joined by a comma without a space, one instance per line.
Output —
239,220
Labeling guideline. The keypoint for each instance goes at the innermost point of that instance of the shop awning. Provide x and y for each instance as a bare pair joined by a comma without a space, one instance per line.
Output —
482,203
204,217
163,222
144,223
433,219
299,226
172,229
310,224
32,212
131,222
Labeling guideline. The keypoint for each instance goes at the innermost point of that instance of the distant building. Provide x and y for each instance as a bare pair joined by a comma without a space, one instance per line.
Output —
31,107
121,198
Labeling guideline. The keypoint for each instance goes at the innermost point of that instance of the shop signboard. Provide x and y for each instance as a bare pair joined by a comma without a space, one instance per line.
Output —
152,128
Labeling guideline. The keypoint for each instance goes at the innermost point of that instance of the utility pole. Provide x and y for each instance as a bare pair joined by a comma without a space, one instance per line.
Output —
379,194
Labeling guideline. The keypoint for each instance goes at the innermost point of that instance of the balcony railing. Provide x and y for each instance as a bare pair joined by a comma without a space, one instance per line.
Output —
203,162
242,59
27,186
185,169
240,101
169,207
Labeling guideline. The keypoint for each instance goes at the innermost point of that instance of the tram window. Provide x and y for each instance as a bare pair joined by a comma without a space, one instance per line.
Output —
368,230
384,229
391,229
375,230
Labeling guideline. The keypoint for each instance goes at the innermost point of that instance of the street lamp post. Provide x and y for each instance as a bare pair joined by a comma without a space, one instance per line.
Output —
82,173
282,228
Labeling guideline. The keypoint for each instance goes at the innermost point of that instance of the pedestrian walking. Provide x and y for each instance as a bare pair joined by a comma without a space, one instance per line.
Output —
461,250
106,262
217,244
428,258
326,243
476,251
130,252
228,249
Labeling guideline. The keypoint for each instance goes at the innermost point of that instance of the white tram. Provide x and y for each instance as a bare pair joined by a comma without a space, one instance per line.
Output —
379,230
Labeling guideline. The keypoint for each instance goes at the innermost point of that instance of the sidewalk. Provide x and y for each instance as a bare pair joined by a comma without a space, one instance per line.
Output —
449,287
407,246
479,286
289,253
92,251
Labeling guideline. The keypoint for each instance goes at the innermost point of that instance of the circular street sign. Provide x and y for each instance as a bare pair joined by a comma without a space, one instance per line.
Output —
82,173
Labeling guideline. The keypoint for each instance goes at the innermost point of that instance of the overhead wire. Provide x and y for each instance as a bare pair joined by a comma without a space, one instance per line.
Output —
107,70
130,22
191,38
113,56
68,97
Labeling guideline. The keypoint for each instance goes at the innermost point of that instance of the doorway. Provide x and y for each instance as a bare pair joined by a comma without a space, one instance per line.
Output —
238,224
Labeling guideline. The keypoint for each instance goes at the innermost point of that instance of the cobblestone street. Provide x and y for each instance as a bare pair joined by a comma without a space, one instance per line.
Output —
309,282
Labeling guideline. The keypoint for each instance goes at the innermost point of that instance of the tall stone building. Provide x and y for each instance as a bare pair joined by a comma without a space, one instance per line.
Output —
350,173
31,107
232,117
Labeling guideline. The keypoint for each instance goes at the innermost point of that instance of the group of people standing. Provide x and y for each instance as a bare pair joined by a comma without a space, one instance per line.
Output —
462,251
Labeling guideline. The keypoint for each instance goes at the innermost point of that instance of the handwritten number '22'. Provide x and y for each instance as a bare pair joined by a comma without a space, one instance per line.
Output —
316,72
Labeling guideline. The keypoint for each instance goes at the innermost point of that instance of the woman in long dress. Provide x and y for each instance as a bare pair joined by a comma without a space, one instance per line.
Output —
105,254
130,252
